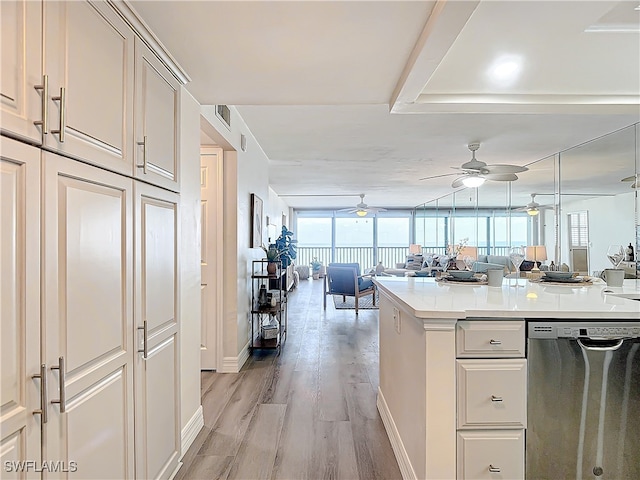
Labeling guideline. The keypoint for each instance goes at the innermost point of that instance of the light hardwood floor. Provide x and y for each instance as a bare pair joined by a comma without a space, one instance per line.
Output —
307,413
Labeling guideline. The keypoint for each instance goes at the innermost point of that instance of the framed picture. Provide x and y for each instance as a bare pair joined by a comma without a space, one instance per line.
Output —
256,221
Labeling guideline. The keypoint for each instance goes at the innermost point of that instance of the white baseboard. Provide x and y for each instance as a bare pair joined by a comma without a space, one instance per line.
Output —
406,469
191,430
234,364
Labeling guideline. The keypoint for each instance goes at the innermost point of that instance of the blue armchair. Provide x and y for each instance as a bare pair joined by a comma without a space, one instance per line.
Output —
344,279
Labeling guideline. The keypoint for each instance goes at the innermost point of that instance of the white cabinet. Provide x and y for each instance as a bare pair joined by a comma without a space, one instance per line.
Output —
21,103
487,339
491,398
88,317
156,364
491,455
492,393
20,394
89,58
156,126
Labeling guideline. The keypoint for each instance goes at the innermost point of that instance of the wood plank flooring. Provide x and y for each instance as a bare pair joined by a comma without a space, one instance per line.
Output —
307,413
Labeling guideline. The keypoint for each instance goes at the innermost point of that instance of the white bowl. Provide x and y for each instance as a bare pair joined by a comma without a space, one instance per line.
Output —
558,274
460,273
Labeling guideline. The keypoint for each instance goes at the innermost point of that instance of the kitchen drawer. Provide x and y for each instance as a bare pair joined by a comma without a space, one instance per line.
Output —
495,454
492,393
490,339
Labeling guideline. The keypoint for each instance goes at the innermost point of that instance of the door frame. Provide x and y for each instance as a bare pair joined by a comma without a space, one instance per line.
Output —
216,254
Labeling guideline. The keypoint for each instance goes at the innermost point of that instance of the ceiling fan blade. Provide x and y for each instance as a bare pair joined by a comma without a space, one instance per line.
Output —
347,210
632,178
504,169
439,176
458,182
501,177
375,209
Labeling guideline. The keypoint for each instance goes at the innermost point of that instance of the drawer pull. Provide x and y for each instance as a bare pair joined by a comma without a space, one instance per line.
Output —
494,398
495,342
494,469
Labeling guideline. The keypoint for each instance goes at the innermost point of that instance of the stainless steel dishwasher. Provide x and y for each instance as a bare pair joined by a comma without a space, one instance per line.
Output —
583,414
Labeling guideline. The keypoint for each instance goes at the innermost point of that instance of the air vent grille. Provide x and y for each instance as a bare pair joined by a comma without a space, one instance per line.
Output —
224,113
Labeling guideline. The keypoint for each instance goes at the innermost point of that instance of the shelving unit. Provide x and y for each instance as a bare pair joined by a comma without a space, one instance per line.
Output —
268,318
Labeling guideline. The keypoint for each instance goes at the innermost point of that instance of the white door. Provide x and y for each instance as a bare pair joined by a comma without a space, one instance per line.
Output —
211,188
157,364
88,318
20,394
89,57
578,223
156,129
21,102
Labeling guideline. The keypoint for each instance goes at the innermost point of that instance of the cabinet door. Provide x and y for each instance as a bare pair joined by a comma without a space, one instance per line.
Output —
21,69
88,317
157,360
492,455
157,96
88,52
492,393
20,307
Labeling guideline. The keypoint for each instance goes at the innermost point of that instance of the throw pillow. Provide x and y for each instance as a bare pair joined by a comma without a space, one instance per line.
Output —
413,262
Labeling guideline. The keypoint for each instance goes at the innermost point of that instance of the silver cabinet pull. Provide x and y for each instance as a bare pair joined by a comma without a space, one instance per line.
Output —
62,99
62,379
44,123
144,351
495,398
143,165
43,393
494,469
495,342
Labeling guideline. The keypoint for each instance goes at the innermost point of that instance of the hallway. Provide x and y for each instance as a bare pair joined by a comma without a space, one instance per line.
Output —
308,413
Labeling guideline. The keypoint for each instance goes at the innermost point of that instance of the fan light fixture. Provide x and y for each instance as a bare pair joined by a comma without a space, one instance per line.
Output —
472,181
361,213
533,211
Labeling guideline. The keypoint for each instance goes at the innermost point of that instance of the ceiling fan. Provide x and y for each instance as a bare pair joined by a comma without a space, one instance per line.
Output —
532,208
632,178
361,209
475,172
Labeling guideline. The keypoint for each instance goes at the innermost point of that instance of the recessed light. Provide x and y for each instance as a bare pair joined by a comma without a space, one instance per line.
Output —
505,70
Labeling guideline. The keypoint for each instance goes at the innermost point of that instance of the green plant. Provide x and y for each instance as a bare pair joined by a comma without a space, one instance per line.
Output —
272,253
286,246
315,264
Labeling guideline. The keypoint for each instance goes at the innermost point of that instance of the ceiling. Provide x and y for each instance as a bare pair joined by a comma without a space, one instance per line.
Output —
353,97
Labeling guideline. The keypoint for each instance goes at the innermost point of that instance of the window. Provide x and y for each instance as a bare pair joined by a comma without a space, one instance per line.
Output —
354,232
393,232
313,232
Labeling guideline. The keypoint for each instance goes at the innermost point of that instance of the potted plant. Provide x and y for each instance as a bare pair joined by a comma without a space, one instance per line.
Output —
315,268
273,256
286,247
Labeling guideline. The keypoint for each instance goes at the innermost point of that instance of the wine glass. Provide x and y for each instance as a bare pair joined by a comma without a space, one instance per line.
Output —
615,254
429,261
516,255
468,262
444,262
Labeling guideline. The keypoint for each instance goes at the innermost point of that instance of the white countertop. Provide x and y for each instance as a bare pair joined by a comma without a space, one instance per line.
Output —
426,298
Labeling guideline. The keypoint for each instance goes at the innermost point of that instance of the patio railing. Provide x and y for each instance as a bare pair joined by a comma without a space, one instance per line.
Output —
368,257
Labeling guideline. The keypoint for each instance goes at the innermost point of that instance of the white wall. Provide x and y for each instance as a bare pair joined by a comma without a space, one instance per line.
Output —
611,221
189,257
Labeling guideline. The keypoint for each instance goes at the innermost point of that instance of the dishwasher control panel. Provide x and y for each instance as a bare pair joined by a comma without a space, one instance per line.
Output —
581,329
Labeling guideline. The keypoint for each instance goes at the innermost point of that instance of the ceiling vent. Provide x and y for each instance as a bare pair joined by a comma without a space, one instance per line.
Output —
224,114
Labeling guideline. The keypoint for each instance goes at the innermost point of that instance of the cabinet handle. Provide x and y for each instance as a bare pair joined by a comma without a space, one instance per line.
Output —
44,123
145,331
495,342
62,376
43,393
143,166
62,99
495,398
494,469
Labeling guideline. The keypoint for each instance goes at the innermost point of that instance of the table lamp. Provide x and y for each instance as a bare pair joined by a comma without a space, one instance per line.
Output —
536,253
415,248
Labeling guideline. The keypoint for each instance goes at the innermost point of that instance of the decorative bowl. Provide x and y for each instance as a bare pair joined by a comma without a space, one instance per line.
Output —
556,275
460,273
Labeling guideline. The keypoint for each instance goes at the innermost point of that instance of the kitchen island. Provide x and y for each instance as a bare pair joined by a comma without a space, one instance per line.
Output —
442,343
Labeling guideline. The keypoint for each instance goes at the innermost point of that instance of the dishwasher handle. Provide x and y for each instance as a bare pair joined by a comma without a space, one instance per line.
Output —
600,345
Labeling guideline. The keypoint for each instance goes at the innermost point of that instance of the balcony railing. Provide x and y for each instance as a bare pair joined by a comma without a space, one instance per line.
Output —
368,257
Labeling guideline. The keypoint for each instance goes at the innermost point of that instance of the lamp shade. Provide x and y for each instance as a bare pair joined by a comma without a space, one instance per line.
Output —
536,253
468,251
415,248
